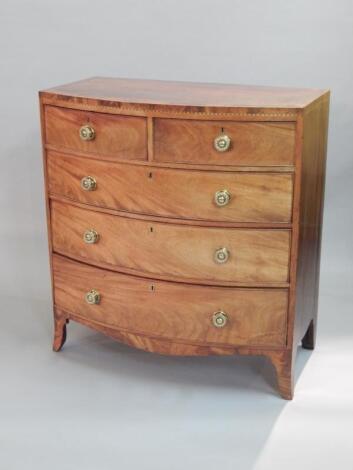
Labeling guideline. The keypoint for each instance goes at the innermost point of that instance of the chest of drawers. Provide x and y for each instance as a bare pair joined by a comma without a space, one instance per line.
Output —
186,218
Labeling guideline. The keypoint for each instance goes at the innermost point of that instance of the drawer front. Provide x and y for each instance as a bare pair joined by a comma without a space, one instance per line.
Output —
172,310
204,254
186,194
204,142
123,137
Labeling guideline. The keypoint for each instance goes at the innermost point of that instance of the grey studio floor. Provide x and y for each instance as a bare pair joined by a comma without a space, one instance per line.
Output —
101,405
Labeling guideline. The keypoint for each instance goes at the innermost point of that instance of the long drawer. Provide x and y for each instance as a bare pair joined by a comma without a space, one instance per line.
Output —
201,254
186,194
221,315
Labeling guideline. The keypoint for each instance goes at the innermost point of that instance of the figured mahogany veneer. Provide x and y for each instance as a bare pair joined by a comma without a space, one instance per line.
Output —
176,193
252,143
180,312
180,252
135,218
121,137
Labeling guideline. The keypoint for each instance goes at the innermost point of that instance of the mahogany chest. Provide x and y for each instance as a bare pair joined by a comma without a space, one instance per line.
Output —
185,218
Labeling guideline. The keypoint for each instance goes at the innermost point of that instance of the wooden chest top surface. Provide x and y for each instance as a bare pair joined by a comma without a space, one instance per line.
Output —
197,96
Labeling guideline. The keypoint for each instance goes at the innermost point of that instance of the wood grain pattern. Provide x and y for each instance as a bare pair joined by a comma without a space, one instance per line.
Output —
315,127
59,332
278,357
173,193
172,251
172,310
168,346
122,137
168,185
283,363
307,227
190,166
185,141
184,97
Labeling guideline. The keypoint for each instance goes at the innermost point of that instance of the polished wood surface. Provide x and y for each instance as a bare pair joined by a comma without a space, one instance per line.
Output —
256,317
192,141
185,94
123,137
165,346
307,228
178,252
173,193
315,127
154,208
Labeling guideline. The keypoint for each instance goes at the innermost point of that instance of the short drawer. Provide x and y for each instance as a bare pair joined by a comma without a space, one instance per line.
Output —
181,252
206,315
187,194
224,142
123,137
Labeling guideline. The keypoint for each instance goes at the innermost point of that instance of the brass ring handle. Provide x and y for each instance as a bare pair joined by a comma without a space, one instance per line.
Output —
93,297
221,255
87,132
219,319
90,236
222,143
222,197
88,183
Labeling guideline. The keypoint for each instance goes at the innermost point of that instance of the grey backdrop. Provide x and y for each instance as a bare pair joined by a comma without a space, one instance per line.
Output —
99,404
